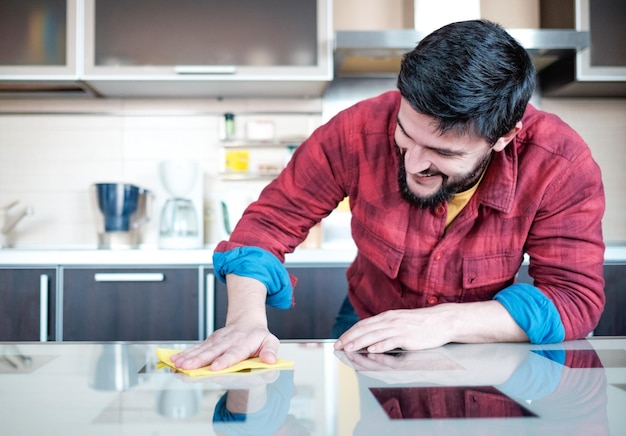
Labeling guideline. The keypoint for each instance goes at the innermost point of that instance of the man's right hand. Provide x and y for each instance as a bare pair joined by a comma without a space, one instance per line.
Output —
228,346
244,335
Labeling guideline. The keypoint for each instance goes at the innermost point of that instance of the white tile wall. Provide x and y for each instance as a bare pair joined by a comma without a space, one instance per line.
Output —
50,160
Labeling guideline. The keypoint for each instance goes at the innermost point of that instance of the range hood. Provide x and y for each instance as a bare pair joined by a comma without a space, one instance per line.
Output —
579,49
378,53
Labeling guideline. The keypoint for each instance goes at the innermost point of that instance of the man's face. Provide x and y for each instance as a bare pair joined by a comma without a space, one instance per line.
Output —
434,167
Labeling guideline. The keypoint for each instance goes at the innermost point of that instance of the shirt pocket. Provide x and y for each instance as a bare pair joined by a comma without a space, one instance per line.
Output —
384,256
484,276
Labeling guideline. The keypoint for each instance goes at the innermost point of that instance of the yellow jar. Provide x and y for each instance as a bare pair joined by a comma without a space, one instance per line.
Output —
237,161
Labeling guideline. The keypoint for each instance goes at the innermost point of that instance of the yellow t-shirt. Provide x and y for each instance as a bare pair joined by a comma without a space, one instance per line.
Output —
458,202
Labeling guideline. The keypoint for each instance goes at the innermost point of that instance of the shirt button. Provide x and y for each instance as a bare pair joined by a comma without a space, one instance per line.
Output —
438,255
431,300
440,210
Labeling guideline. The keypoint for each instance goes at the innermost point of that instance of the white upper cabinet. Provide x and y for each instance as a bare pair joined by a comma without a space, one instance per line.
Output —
165,48
37,38
195,48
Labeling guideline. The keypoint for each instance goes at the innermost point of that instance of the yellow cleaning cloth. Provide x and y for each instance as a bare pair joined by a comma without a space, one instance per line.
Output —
165,354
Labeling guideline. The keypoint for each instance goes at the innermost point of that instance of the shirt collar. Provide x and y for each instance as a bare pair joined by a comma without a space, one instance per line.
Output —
497,190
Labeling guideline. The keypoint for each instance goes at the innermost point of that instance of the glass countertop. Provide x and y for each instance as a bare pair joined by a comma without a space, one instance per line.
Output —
576,387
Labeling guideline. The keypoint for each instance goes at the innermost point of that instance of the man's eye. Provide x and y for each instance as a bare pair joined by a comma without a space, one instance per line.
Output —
444,153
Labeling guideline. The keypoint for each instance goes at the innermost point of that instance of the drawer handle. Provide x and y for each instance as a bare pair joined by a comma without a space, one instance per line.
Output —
209,299
129,277
205,69
43,308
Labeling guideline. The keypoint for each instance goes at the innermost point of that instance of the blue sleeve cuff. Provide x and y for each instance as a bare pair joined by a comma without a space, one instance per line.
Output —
535,378
259,264
533,312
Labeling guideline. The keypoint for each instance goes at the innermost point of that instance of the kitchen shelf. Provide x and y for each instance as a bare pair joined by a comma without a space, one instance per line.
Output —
257,144
255,160
242,176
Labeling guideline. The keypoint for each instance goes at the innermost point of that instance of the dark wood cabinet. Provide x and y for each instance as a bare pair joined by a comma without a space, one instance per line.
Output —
130,304
613,320
27,304
318,296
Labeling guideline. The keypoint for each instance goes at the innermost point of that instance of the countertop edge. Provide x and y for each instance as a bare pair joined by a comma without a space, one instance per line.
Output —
202,257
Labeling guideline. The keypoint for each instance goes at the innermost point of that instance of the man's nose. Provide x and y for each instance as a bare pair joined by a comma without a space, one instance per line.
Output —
416,160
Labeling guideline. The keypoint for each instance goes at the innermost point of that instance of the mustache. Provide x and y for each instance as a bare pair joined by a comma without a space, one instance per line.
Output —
430,171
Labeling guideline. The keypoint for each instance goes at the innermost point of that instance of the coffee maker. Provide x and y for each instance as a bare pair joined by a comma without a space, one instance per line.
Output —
124,209
181,223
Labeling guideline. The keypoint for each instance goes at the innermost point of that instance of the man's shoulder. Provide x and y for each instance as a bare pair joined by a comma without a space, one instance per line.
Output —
378,106
550,133
373,115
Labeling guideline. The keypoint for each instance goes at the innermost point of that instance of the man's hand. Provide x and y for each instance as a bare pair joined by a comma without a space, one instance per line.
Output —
431,327
228,346
245,334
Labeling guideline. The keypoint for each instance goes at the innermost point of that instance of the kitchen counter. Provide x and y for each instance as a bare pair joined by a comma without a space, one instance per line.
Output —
341,254
153,256
576,387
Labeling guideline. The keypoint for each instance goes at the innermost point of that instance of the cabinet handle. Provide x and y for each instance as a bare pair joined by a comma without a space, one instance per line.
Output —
209,299
205,69
43,308
129,277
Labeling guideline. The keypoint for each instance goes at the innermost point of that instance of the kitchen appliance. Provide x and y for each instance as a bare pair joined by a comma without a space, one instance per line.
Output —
181,222
124,209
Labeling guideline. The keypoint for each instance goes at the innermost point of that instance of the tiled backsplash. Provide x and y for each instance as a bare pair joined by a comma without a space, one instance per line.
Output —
50,156
50,160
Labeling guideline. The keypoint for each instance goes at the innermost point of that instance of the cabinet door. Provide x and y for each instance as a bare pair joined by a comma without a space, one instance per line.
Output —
613,319
37,37
318,297
27,304
130,304
165,37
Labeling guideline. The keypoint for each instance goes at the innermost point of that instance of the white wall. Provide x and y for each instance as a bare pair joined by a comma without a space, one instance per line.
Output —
50,160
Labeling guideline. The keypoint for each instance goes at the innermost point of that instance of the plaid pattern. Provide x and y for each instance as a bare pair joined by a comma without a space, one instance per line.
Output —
542,195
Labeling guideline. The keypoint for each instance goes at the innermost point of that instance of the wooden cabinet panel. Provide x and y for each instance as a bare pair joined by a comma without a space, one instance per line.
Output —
613,320
318,296
27,298
130,304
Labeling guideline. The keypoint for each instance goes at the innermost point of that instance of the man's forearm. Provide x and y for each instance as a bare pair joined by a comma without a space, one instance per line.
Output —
485,321
246,300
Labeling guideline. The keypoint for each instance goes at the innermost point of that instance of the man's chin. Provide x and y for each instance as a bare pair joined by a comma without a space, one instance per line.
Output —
425,202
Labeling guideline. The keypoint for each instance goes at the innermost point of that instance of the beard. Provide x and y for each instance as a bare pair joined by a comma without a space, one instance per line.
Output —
447,189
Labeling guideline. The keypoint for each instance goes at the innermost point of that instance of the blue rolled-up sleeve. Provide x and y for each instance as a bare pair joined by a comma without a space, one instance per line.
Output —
533,312
259,264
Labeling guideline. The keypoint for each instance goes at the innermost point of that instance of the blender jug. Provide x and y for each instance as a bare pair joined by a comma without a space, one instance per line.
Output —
123,208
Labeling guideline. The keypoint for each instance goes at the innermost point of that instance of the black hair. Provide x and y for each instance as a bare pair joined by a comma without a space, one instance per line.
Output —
471,76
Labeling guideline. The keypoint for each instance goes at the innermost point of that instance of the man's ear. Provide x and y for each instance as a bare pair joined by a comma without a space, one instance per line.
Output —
503,141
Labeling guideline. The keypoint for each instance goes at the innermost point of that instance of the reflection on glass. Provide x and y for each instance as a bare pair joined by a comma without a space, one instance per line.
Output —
545,390
258,406
179,400
116,367
448,402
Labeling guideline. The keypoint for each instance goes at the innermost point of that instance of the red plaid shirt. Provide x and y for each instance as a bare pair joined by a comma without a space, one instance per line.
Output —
542,195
